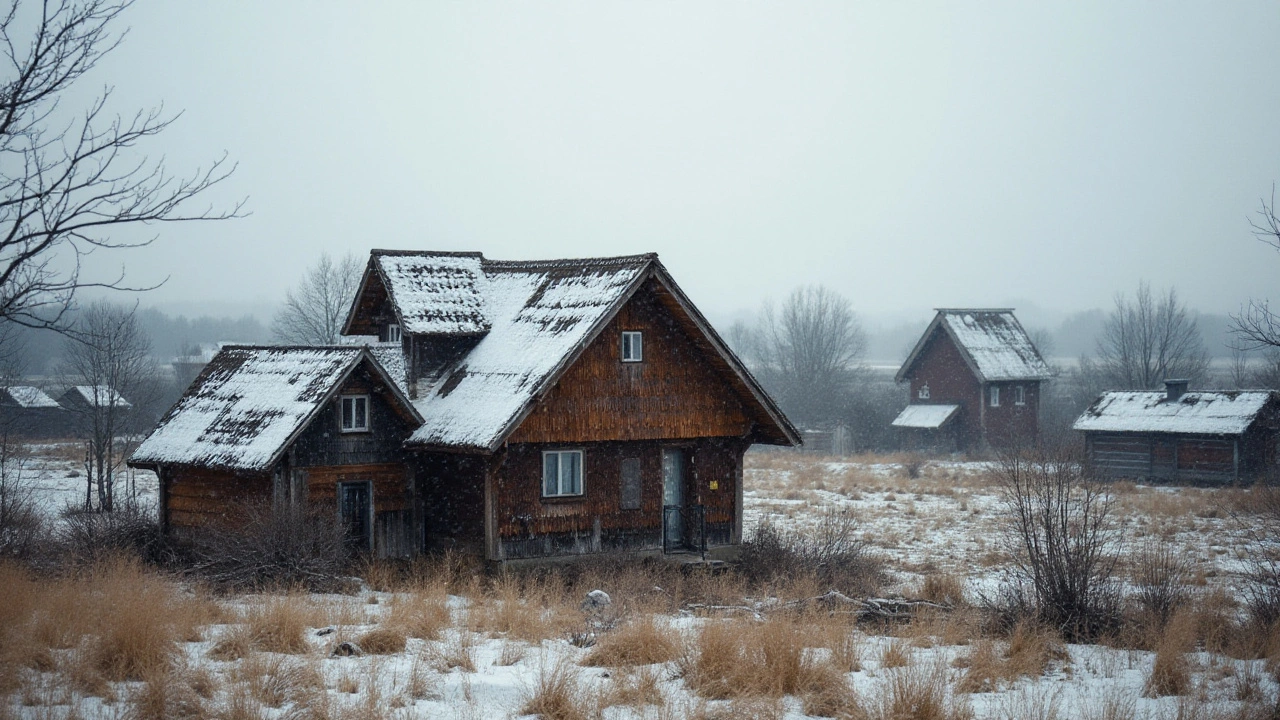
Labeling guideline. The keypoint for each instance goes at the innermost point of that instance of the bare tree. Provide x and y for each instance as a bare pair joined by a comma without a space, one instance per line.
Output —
314,311
20,519
69,187
1256,326
1149,339
109,356
809,353
1061,532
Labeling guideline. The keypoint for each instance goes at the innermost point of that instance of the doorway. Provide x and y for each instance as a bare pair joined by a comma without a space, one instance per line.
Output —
355,507
673,464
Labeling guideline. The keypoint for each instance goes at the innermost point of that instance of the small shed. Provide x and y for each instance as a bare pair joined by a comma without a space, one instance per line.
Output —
1175,435
84,397
30,412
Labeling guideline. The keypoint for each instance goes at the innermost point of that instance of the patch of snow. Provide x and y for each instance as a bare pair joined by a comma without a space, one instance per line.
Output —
925,416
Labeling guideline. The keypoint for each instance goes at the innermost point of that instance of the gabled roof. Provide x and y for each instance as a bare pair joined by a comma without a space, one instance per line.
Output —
925,416
95,396
249,403
431,292
992,342
1194,413
25,396
529,321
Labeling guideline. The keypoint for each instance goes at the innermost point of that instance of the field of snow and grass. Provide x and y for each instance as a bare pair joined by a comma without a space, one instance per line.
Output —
442,639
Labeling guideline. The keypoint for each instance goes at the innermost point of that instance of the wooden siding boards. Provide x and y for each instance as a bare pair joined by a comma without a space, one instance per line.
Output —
671,393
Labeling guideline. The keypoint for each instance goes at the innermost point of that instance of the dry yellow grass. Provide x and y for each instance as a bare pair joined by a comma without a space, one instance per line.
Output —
557,694
919,692
734,658
639,642
633,688
421,613
381,641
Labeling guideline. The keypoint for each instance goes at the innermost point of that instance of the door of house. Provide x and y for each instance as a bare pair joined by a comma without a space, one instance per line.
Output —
355,505
673,498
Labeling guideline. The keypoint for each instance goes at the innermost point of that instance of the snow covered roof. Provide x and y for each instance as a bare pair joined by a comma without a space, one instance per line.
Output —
538,314
248,404
26,396
1194,413
992,341
96,396
925,416
434,292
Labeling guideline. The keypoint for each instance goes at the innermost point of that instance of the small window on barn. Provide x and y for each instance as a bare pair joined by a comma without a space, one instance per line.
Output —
561,473
995,397
1019,395
355,413
924,392
632,347
393,333
630,499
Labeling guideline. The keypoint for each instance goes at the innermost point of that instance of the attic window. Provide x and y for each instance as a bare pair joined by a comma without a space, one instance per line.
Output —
561,473
632,347
1019,395
355,413
923,394
995,397
393,333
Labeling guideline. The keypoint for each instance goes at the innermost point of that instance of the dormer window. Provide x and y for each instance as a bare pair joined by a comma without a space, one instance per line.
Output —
632,347
393,333
923,393
355,413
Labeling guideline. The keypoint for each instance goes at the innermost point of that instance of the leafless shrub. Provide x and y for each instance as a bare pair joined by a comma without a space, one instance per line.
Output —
830,552
1061,533
85,537
268,547
1160,579
21,524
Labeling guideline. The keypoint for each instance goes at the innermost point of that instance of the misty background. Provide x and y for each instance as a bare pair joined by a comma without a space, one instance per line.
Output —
906,156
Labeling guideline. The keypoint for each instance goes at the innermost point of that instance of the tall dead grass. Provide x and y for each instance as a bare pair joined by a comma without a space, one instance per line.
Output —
639,642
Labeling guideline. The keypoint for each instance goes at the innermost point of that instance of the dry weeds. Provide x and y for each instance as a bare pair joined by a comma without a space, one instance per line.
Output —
639,642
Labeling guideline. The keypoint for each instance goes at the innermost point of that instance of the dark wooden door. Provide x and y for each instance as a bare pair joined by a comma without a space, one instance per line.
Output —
673,497
355,503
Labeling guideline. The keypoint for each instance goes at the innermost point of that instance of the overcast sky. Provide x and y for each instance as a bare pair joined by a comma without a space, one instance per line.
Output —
908,155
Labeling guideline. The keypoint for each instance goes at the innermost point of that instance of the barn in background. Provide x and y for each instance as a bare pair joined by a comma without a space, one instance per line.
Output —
1175,435
975,380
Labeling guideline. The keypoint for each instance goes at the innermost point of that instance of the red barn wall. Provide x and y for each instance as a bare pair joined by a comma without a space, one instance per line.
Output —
941,366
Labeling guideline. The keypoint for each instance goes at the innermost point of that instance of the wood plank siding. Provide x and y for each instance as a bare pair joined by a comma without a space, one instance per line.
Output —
1167,457
193,498
530,525
672,393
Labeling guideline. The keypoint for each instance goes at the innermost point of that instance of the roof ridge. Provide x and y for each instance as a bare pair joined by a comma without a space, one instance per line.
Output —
427,253
343,346
608,261
974,310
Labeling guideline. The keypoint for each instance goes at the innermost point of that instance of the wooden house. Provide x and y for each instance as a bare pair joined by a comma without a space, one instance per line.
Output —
29,412
1175,435
282,424
974,381
84,398
559,407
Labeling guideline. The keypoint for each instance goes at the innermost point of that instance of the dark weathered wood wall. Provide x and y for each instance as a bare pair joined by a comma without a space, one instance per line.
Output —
672,394
1189,458
194,498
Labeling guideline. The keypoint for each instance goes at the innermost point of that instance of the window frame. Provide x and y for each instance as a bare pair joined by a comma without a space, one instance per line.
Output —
393,329
923,392
1019,395
560,494
637,345
342,411
993,396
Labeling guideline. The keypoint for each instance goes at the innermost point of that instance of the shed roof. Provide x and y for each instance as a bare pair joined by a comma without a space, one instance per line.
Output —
925,416
1194,413
992,342
26,396
249,403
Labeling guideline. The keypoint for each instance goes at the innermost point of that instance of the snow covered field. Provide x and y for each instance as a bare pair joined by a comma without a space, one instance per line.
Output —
476,649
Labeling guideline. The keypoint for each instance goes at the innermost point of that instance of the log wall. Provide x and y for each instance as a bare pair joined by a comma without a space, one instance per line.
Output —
195,498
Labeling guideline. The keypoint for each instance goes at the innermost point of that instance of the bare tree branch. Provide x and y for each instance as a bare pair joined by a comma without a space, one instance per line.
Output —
1148,340
314,311
68,190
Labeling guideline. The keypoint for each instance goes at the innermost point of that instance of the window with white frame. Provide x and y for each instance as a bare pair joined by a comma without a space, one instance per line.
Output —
354,413
923,394
561,473
995,397
1019,395
632,346
393,333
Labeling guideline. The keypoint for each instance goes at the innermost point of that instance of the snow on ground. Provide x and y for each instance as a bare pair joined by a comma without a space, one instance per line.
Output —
945,520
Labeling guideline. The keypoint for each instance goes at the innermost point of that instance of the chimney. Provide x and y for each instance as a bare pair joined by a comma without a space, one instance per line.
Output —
1173,389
